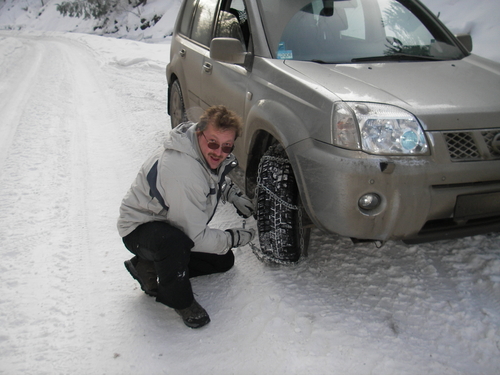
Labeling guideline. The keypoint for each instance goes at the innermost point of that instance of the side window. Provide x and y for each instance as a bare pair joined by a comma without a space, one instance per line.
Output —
203,21
187,15
233,22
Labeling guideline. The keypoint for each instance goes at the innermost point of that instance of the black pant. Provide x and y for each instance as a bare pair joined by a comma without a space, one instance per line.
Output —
170,250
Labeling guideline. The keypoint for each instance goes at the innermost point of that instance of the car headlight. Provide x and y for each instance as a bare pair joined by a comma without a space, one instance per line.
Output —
377,129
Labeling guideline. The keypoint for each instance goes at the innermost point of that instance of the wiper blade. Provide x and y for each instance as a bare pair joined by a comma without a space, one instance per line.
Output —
397,57
319,61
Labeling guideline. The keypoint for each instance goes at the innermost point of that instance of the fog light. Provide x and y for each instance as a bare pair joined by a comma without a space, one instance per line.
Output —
369,201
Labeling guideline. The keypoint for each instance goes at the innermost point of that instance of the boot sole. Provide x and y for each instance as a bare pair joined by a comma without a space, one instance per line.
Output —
195,324
131,269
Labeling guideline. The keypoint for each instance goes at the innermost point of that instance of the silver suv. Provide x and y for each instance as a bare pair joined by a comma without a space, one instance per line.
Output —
365,118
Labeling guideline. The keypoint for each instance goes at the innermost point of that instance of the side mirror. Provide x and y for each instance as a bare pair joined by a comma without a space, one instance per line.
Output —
466,41
228,50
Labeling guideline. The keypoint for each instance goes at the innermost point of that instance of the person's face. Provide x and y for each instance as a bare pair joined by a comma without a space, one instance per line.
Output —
211,137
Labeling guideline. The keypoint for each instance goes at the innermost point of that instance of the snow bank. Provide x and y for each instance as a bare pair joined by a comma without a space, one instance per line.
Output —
152,22
479,18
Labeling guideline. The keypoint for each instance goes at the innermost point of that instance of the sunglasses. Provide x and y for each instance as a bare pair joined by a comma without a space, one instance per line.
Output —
214,146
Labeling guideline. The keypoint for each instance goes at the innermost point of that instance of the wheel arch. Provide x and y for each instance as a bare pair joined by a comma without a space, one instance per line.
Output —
268,122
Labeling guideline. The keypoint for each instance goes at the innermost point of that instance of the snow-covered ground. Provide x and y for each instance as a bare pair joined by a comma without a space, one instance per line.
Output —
78,116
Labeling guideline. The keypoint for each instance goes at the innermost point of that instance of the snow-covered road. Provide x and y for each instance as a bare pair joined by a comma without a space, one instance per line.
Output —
78,115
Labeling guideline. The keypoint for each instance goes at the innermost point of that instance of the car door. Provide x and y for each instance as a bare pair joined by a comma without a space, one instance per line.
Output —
196,29
223,83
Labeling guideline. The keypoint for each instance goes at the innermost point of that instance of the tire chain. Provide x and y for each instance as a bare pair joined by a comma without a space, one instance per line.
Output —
256,250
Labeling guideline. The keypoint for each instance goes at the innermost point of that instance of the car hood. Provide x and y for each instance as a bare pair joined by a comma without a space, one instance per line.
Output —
444,95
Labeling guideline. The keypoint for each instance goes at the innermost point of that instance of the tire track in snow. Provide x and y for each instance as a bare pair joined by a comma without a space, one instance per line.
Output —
61,169
35,209
15,85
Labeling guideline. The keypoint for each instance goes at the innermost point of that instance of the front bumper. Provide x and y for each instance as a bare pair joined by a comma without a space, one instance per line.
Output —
419,194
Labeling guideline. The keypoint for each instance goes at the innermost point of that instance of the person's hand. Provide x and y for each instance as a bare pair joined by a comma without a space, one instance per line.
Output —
243,204
240,236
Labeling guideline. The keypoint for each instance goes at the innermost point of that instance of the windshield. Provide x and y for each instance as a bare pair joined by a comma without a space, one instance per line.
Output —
344,31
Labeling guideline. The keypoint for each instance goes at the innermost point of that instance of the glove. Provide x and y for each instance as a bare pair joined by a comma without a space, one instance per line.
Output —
240,236
243,204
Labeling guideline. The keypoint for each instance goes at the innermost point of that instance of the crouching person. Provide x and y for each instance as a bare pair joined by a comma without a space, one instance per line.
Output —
164,216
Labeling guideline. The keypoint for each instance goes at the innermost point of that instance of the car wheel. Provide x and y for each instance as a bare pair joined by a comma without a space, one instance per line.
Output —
176,105
280,217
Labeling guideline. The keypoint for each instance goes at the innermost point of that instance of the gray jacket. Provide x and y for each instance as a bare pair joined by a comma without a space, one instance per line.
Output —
177,186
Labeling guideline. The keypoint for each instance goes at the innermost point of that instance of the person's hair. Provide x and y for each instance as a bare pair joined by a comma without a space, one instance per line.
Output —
221,118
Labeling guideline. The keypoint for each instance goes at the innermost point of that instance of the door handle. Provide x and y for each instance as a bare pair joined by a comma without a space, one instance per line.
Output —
207,67
182,53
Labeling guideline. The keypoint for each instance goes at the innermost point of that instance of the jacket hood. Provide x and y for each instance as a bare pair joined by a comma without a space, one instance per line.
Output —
468,89
183,139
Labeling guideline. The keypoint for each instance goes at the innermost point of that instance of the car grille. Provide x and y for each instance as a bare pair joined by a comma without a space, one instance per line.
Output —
473,145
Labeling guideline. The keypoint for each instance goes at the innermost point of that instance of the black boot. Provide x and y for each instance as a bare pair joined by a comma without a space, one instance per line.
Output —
194,316
144,272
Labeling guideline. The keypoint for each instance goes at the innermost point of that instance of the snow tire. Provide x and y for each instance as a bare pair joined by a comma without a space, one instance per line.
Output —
279,219
177,109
